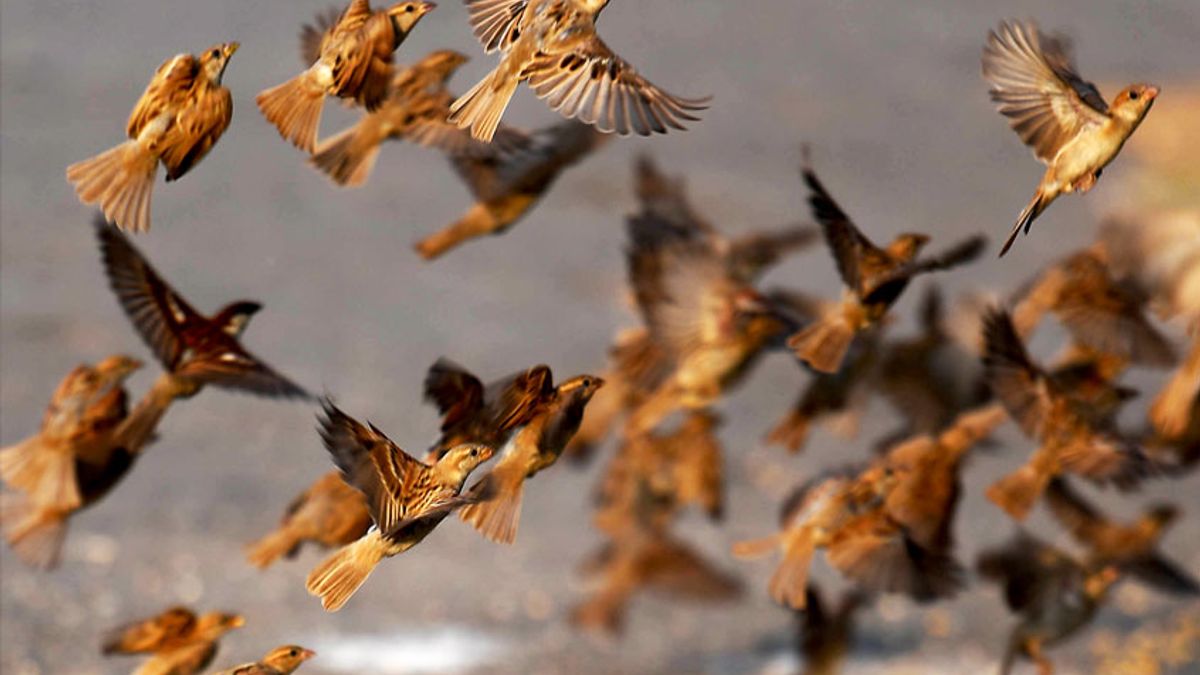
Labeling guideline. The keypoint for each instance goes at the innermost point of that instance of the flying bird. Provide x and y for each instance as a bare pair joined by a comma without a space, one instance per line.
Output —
1057,113
353,61
329,513
179,642
553,46
279,661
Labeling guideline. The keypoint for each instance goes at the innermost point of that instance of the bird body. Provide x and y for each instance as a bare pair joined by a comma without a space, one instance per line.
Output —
179,642
329,513
279,661
181,115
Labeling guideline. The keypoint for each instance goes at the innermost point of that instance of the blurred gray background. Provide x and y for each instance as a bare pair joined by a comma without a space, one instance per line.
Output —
889,96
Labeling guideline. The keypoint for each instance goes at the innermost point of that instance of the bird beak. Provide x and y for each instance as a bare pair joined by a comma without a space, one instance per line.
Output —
231,47
238,621
1152,92
306,654
427,7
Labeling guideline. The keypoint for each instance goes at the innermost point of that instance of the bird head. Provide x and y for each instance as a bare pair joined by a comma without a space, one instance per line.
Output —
287,658
461,460
593,6
118,367
234,317
216,58
580,387
443,63
906,246
405,15
1132,104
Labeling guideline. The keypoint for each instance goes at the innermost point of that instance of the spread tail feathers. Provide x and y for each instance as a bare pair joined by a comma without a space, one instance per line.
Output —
46,475
477,222
340,575
790,580
294,107
271,547
35,534
120,181
1017,492
498,512
791,432
1025,221
482,107
349,157
823,345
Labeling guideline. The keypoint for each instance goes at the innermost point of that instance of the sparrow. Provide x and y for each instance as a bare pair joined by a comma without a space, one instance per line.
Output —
509,178
279,661
415,110
353,61
825,633
473,413
180,642
178,119
1057,113
1132,547
552,45
650,561
329,513
80,422
1053,595
495,508
407,499
1097,310
874,277
192,347
1075,435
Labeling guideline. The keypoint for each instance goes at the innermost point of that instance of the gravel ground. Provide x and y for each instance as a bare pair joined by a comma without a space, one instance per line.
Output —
890,98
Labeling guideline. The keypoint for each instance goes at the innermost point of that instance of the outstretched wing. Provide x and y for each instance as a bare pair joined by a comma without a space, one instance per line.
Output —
495,22
168,90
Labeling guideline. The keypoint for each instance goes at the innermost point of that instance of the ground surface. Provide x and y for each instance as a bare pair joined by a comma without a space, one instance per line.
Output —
889,97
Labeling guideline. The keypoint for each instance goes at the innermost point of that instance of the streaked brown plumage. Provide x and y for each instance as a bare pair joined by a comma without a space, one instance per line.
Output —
874,277
192,347
1053,595
1057,113
509,178
553,46
178,119
1075,434
407,499
354,62
279,661
415,110
1131,547
496,498
180,642
329,513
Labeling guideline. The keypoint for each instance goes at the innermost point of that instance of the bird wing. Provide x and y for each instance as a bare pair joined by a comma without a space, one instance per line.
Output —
523,397
846,242
1076,515
1036,86
168,90
197,128
754,253
1020,385
454,390
150,635
666,198
313,35
1164,575
373,464
232,367
581,77
156,310
496,23
885,288
424,123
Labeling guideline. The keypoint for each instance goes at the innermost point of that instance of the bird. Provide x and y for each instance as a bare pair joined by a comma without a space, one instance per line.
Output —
329,513
473,413
279,661
1075,434
353,61
79,424
1132,547
536,446
414,110
179,642
1053,595
1177,406
874,277
1057,113
553,46
509,178
825,632
407,499
193,347
179,118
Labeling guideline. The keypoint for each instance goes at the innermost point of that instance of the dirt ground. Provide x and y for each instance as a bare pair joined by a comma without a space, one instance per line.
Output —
888,95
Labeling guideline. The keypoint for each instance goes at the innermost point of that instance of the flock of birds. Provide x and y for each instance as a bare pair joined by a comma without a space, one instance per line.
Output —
885,523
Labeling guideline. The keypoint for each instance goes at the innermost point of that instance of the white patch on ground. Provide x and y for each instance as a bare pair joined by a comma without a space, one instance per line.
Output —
440,649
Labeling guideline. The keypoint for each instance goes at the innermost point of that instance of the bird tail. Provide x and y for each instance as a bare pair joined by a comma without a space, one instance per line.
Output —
35,533
824,344
477,222
790,580
46,475
1017,492
340,575
349,157
294,107
791,432
601,615
120,180
482,107
498,512
267,550
1032,210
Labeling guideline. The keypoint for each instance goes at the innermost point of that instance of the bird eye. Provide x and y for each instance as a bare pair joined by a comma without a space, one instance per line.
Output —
410,9
474,452
215,54
293,652
1133,96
